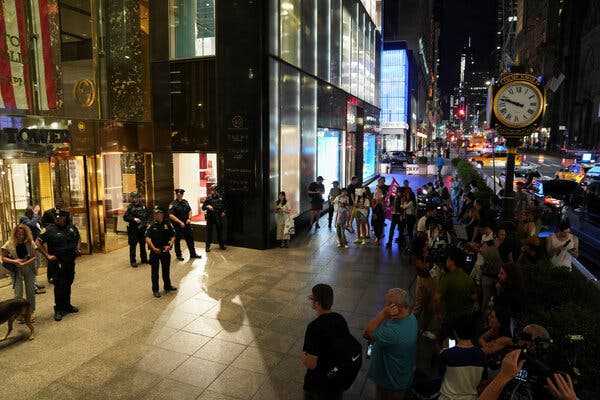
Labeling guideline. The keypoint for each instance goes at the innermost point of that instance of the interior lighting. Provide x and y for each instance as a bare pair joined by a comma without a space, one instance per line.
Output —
287,6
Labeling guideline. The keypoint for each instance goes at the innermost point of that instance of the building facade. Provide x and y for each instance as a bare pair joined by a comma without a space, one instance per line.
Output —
75,113
265,108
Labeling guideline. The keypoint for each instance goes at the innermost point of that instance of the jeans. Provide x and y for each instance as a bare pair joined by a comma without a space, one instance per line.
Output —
163,259
330,213
25,276
341,234
396,221
216,223
186,234
63,279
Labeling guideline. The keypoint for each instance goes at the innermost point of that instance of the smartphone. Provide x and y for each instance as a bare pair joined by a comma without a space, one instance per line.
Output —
451,343
522,375
369,350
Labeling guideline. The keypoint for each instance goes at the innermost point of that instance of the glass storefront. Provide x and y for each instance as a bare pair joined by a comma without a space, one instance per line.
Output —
196,173
122,175
191,28
369,156
329,156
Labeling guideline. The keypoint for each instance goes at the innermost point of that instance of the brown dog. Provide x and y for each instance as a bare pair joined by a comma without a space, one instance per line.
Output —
13,309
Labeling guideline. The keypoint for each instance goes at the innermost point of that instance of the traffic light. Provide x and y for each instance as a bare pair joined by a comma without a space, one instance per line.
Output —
460,112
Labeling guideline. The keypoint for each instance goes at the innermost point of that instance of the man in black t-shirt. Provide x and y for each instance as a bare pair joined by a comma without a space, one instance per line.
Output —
318,342
352,186
315,192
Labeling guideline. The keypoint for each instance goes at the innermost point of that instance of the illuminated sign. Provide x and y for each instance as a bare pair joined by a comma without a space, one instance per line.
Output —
394,89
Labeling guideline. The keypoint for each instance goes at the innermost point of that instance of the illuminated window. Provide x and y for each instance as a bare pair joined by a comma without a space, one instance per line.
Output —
196,173
191,28
394,88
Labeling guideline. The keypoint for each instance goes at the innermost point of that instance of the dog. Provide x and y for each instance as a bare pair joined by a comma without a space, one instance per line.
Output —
12,309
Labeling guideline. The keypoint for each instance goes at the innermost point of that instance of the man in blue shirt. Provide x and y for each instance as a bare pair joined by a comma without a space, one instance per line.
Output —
393,332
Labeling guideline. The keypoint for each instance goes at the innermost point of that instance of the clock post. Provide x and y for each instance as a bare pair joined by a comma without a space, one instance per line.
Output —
518,107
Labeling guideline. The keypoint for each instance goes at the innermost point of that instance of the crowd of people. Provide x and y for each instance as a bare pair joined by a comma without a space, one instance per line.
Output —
468,294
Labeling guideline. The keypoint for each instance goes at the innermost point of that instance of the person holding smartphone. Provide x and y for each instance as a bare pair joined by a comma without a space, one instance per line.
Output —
562,246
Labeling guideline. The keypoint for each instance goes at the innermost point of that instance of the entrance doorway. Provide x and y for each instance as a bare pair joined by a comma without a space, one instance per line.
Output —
31,181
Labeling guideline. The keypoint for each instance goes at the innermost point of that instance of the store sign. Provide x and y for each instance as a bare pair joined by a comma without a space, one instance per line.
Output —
34,136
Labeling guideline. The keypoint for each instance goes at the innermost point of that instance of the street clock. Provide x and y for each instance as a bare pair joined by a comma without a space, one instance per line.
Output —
518,105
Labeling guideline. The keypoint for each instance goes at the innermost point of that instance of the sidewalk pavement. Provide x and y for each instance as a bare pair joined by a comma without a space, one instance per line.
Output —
233,330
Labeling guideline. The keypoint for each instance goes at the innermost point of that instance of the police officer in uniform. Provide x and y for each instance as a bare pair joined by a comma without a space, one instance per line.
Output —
180,214
137,218
215,212
60,243
159,238
49,218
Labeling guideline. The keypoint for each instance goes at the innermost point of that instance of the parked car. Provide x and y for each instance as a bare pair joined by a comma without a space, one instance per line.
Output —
574,172
593,174
399,158
489,159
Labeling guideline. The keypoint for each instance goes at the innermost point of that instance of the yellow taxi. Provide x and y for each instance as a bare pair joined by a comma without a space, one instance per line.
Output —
488,160
573,172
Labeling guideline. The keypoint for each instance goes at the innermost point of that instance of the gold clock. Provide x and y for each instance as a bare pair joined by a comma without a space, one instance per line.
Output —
518,104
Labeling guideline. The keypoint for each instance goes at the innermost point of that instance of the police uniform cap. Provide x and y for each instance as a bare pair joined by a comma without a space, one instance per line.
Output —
182,191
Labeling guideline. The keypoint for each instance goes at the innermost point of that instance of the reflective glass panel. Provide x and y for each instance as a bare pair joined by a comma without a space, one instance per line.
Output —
289,144
191,28
289,31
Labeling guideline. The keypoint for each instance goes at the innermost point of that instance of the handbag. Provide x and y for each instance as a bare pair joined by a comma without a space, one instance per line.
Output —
12,268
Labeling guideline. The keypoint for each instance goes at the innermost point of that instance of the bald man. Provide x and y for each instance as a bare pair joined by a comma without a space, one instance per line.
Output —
393,332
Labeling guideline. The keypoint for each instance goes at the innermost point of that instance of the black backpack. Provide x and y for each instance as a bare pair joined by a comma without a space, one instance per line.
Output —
345,363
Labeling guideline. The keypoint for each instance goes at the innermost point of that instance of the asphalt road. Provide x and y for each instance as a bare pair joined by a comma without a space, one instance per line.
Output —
547,165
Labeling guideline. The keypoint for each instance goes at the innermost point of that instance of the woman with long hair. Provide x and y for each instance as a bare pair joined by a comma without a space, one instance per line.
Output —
283,219
18,257
362,205
378,215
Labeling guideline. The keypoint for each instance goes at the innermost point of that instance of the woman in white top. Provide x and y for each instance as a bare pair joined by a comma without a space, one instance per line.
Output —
361,206
562,246
283,219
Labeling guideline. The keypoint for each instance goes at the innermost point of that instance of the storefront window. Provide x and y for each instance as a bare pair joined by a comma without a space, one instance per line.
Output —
290,31
329,151
369,155
191,28
123,174
196,173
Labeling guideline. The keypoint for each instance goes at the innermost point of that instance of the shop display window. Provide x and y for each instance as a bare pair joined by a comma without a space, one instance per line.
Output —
196,173
123,174
369,156
329,156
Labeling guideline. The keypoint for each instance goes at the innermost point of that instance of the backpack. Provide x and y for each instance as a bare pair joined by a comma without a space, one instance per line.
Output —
345,363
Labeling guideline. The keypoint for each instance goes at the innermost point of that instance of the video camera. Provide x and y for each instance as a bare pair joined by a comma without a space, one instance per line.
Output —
543,357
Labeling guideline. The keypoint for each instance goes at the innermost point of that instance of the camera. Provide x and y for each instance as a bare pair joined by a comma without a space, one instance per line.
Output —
542,358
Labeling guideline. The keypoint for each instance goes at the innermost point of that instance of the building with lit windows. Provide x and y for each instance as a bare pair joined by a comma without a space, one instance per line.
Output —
104,99
288,95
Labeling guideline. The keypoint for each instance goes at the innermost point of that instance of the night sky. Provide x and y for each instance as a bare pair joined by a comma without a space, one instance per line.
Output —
461,19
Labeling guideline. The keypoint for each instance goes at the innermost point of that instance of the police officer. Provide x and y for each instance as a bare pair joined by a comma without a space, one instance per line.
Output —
137,218
180,214
159,238
49,218
215,212
60,243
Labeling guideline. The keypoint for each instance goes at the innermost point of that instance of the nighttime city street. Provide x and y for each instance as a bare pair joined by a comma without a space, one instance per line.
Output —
300,199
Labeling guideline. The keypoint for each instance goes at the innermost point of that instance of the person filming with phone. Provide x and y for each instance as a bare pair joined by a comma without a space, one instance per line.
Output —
393,332
562,246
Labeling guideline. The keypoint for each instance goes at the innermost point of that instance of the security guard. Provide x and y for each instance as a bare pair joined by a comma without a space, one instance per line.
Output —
180,214
49,218
159,238
137,218
215,212
60,243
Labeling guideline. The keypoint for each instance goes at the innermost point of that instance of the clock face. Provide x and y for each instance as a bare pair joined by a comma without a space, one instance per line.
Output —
518,104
